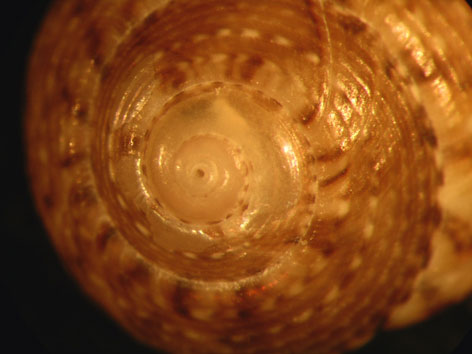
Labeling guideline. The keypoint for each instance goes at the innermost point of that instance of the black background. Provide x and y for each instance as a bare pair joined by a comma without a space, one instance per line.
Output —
41,308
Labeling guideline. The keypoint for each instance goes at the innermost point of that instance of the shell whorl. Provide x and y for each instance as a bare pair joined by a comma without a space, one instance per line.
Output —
271,176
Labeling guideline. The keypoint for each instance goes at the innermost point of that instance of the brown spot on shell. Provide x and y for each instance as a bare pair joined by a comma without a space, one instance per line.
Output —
48,201
416,72
65,93
171,76
423,249
270,104
308,115
144,170
82,195
250,67
325,246
401,296
429,291
293,240
310,198
138,272
466,81
310,160
79,8
152,19
346,280
352,24
410,272
458,232
420,117
244,206
231,58
390,69
331,180
245,314
106,232
434,215
71,159
179,299
93,38
129,143
80,112
105,72
330,156
134,274
461,151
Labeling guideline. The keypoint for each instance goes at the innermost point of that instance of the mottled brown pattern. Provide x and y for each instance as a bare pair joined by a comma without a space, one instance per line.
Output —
348,123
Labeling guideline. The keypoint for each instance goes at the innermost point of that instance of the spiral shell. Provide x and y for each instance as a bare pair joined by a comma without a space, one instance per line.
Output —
236,176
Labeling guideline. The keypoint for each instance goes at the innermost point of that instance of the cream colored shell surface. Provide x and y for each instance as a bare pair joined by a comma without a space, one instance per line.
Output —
244,176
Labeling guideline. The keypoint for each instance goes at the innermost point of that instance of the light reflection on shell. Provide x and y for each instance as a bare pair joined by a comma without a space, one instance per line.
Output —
271,176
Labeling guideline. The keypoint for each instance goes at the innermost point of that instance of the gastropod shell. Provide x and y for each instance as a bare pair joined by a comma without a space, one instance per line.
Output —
244,176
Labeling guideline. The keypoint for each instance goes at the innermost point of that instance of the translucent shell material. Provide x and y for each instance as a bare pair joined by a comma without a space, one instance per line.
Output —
241,176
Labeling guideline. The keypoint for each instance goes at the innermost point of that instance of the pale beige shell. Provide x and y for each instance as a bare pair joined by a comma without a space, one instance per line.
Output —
239,176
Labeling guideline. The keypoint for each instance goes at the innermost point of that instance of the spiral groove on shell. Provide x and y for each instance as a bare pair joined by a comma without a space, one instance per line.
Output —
270,176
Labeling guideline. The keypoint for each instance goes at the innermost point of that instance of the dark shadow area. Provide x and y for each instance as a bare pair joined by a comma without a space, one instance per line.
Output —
43,310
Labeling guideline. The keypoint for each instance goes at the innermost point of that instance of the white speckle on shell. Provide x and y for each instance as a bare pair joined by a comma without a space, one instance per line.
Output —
199,37
204,314
250,33
313,58
368,230
190,255
282,41
332,295
224,32
143,229
303,317
219,57
356,262
295,289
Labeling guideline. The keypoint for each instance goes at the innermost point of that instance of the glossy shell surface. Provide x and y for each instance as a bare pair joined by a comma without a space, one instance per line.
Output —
257,177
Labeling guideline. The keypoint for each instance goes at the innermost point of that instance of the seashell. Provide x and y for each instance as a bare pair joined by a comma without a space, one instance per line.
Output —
257,177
